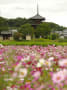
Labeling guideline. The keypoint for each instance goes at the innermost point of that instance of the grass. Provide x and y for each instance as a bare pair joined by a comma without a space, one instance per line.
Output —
33,42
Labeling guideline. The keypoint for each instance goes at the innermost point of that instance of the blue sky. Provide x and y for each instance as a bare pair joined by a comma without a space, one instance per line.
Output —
52,10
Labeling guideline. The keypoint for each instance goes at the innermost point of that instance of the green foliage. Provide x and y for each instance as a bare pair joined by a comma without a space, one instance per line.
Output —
26,29
42,30
54,36
3,24
62,40
41,43
55,27
17,22
17,36
41,40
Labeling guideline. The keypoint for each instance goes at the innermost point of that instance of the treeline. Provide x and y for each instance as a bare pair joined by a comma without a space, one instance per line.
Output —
24,27
16,23
5,23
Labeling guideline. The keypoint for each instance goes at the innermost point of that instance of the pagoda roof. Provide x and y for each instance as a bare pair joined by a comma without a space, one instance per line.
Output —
37,16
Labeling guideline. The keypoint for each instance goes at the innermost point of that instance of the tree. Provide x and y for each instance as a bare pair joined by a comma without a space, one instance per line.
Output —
55,27
26,29
3,24
42,30
17,36
17,22
54,36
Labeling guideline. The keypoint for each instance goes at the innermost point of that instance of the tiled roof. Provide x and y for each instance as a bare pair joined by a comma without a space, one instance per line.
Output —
6,32
37,16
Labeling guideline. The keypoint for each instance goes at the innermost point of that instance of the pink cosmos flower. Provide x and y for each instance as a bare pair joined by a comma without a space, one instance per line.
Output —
14,75
51,74
63,63
36,74
19,57
58,77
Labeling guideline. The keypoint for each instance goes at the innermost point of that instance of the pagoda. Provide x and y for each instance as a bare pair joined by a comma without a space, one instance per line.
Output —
37,19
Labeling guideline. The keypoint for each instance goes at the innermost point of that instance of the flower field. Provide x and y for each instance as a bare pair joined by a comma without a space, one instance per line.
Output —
33,68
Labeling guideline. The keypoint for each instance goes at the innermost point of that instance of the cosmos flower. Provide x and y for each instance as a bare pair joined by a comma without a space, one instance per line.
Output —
33,67
58,77
40,63
25,59
9,88
36,74
22,72
14,75
1,46
48,63
51,59
18,66
63,63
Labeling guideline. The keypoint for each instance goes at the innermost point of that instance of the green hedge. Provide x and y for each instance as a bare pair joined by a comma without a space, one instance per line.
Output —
62,40
43,43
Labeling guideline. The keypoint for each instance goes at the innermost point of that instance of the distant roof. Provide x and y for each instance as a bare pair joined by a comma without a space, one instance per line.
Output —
37,16
14,30
65,30
6,32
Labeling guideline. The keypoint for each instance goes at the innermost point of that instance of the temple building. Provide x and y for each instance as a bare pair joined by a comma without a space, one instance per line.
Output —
7,35
37,19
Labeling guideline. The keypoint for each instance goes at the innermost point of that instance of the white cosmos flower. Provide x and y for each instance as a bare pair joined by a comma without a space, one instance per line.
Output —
26,59
42,61
39,65
51,59
1,46
9,88
22,72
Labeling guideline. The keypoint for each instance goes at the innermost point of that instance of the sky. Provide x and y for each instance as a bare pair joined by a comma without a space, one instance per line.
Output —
53,10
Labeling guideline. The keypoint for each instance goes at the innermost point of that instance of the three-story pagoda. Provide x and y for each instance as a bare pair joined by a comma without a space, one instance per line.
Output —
37,19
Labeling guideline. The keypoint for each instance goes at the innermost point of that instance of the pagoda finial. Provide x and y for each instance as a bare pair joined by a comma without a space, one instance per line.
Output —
37,9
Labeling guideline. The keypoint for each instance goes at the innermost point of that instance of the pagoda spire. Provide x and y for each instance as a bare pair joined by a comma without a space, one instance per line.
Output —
37,9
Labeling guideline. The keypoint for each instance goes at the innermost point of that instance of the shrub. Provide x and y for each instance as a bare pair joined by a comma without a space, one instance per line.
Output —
17,36
54,36
41,40
26,29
